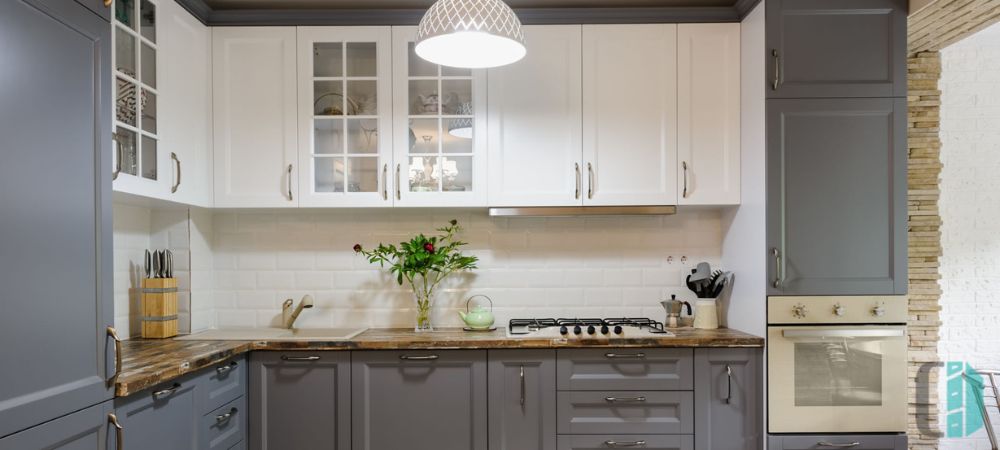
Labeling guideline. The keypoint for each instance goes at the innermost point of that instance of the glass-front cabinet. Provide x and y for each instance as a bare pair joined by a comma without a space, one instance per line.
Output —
345,107
137,165
439,136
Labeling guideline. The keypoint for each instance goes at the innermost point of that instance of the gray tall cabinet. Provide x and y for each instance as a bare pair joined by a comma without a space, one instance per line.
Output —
836,147
55,251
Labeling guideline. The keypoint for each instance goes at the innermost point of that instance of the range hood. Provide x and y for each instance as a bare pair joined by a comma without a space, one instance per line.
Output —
564,211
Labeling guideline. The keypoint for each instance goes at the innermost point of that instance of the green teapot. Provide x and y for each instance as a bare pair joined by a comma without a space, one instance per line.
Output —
478,318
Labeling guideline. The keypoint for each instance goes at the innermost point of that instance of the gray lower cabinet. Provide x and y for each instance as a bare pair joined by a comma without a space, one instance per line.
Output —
625,412
522,399
55,235
625,369
419,400
836,195
224,427
728,398
836,48
82,430
165,417
647,442
300,400
854,442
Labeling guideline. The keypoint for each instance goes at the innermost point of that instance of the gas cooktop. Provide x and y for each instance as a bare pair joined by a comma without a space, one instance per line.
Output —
613,328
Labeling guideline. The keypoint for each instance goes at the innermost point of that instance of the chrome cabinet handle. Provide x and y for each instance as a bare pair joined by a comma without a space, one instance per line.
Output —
638,399
299,358
778,276
225,417
177,161
113,334
226,369
616,444
522,384
385,182
639,355
684,164
119,431
166,392
578,181
119,153
590,181
777,70
290,198
399,189
830,444
729,389
418,358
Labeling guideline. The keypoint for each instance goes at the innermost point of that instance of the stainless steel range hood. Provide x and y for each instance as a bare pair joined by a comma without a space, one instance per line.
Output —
565,211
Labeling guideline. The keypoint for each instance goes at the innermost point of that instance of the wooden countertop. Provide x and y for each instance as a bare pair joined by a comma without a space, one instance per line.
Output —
147,362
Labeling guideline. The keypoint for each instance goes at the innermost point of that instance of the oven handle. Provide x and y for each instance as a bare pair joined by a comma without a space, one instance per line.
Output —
845,333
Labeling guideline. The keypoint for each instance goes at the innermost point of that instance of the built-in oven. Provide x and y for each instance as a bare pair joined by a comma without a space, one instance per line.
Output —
837,365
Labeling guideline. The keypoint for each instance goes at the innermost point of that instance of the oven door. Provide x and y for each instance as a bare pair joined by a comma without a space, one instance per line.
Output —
837,379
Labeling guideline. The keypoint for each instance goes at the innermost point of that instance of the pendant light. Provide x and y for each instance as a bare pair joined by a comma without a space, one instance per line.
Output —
472,34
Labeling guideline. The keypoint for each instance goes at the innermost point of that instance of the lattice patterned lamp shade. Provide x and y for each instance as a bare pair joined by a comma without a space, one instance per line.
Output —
473,34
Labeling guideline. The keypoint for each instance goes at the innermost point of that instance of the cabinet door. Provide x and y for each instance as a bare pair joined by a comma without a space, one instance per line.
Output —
254,110
82,430
56,234
186,105
522,399
300,400
345,102
857,442
836,196
419,400
535,119
630,114
836,48
727,390
165,417
439,122
708,101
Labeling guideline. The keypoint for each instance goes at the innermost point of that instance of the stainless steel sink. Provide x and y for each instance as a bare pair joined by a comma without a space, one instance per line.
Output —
275,334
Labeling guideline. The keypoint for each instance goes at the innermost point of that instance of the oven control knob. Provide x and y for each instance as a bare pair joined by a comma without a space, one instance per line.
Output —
591,329
563,330
604,329
799,311
618,329
878,311
577,330
839,310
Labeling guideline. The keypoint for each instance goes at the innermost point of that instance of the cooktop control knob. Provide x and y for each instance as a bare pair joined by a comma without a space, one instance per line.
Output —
839,310
878,311
604,329
577,330
591,329
799,311
618,329
563,330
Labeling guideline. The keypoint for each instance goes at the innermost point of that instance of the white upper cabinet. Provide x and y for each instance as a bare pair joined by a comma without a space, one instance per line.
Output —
535,118
255,111
345,116
708,97
630,114
439,130
185,105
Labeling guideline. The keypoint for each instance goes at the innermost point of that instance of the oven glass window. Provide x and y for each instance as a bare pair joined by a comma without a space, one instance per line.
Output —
843,372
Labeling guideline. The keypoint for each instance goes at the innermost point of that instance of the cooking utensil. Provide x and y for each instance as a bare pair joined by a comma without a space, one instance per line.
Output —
674,308
169,260
701,272
147,264
156,264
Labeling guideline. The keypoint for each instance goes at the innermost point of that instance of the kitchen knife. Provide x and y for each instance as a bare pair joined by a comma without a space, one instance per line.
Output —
156,264
148,262
169,264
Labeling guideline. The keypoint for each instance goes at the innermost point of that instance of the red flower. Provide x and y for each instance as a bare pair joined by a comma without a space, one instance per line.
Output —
429,247
357,248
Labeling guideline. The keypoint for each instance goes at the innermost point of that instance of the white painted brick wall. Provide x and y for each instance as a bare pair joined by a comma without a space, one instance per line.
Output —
970,208
554,267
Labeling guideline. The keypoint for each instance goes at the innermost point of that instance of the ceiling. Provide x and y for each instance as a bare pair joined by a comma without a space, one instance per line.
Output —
423,4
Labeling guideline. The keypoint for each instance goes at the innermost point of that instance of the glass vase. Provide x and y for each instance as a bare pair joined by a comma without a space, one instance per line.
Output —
423,318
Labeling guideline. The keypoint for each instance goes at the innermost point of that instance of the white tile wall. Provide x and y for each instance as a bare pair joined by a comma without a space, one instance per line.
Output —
970,208
528,266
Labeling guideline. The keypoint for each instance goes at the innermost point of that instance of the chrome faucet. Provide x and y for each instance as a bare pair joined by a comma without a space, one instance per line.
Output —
288,316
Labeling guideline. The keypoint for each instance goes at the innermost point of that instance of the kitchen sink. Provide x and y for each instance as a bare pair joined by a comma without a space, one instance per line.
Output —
275,334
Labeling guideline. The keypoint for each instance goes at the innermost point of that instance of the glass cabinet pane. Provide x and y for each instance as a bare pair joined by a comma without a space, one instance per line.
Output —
328,136
424,136
458,138
328,59
148,157
125,103
125,13
457,97
424,174
148,66
455,72
329,174
424,97
147,21
456,173
362,136
362,98
419,67
328,98
126,151
148,111
362,174
361,59
125,52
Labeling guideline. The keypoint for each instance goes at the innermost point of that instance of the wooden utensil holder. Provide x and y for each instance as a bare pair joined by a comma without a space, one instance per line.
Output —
159,308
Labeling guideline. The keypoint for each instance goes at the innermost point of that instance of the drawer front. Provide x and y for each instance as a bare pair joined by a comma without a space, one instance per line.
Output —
625,412
647,369
225,427
223,383
643,441
241,446
830,442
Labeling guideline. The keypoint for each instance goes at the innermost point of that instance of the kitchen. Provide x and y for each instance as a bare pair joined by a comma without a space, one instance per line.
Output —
627,207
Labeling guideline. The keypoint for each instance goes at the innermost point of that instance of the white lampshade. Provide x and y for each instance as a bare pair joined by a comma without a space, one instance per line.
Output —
472,34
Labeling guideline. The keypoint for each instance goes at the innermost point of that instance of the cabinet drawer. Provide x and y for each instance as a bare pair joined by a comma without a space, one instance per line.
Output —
644,441
225,427
625,412
651,369
241,446
222,384
854,442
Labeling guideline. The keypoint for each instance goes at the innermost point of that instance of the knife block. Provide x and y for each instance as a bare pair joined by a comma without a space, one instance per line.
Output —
159,308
